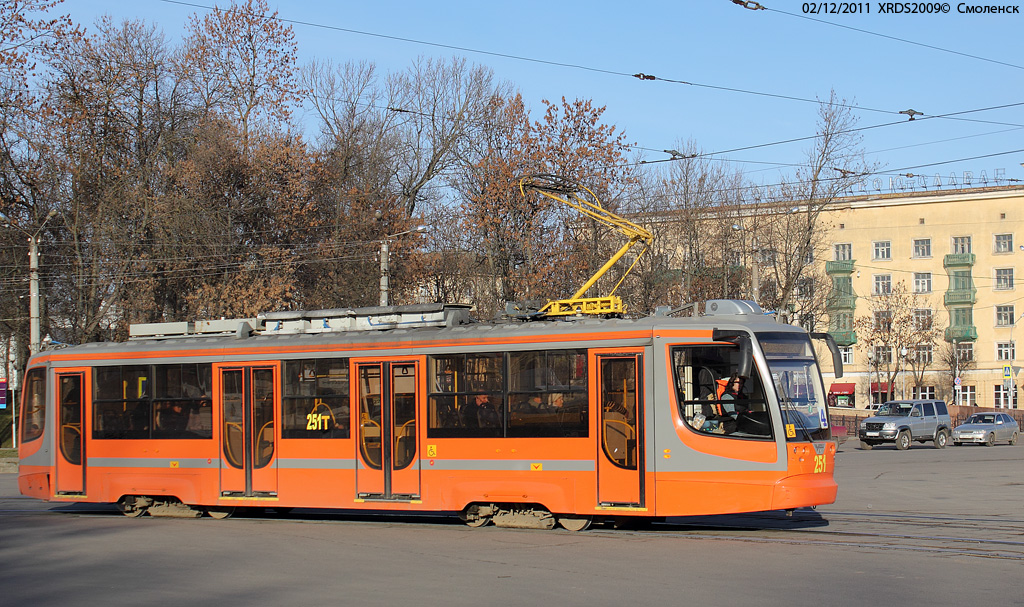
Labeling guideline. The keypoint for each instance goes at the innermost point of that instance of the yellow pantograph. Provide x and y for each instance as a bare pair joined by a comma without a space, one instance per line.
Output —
572,194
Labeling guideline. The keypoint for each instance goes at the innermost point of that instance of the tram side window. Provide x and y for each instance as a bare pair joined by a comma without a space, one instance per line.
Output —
183,401
33,417
518,394
315,402
466,396
548,393
160,401
709,400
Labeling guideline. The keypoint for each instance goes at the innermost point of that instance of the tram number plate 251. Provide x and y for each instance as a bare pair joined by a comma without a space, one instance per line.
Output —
820,464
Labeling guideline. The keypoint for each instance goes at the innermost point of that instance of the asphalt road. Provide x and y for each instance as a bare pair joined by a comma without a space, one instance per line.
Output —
921,527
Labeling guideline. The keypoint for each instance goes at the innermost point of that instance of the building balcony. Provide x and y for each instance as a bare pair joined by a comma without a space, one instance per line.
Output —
962,333
839,267
957,260
960,296
844,338
841,301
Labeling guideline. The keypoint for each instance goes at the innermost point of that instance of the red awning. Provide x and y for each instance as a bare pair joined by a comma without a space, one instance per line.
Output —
879,386
842,388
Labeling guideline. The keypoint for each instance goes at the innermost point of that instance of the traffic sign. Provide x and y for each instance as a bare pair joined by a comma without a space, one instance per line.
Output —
3,393
1007,371
956,382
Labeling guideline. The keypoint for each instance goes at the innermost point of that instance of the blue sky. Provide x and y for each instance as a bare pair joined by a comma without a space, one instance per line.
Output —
713,43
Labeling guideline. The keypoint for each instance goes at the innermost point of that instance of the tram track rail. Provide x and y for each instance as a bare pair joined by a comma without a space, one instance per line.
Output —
981,537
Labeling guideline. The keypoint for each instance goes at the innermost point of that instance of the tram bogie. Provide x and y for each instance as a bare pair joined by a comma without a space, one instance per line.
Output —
526,425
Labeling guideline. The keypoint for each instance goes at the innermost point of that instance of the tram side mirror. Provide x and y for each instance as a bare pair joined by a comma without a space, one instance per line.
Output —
837,359
742,340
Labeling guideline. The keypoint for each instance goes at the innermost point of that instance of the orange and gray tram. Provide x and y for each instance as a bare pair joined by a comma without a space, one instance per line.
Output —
416,408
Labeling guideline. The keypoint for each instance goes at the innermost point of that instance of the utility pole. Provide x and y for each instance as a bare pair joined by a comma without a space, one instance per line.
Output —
33,301
385,261
384,269
33,294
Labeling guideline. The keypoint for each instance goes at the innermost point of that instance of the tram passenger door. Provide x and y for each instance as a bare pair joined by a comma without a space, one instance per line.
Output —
386,394
248,445
620,468
70,433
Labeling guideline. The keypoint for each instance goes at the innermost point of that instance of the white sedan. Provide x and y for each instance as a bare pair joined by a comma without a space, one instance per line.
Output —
987,429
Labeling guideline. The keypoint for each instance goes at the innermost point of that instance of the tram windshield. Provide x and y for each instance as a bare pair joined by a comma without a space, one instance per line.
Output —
798,385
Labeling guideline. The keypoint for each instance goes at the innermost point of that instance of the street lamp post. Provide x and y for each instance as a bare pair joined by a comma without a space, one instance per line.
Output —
903,372
956,373
872,364
385,255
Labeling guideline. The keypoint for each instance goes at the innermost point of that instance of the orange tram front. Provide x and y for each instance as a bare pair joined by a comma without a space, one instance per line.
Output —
418,409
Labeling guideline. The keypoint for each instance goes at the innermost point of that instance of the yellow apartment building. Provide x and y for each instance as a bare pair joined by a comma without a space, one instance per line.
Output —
961,251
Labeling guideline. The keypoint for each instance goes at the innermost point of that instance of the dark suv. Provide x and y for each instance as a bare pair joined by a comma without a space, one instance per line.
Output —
902,421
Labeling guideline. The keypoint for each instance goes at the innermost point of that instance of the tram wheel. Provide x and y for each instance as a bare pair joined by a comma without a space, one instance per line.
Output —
220,512
575,523
127,506
473,517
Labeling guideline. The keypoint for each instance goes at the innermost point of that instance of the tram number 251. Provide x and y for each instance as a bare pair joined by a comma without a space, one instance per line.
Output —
318,421
819,464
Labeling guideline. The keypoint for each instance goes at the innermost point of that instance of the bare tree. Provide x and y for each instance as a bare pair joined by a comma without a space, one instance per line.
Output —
954,361
893,323
834,162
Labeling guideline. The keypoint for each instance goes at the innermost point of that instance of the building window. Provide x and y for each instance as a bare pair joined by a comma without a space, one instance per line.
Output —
805,288
961,280
962,317
883,355
1005,350
842,321
922,247
883,249
883,284
883,320
962,244
1004,316
807,322
1004,243
923,392
1004,399
843,252
965,351
969,396
923,354
922,282
923,319
846,354
1004,279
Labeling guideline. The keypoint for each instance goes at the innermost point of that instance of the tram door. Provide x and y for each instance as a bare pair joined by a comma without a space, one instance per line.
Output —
248,410
620,468
387,404
70,433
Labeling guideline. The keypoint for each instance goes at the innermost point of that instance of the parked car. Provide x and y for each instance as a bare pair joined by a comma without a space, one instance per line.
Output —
903,421
987,429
